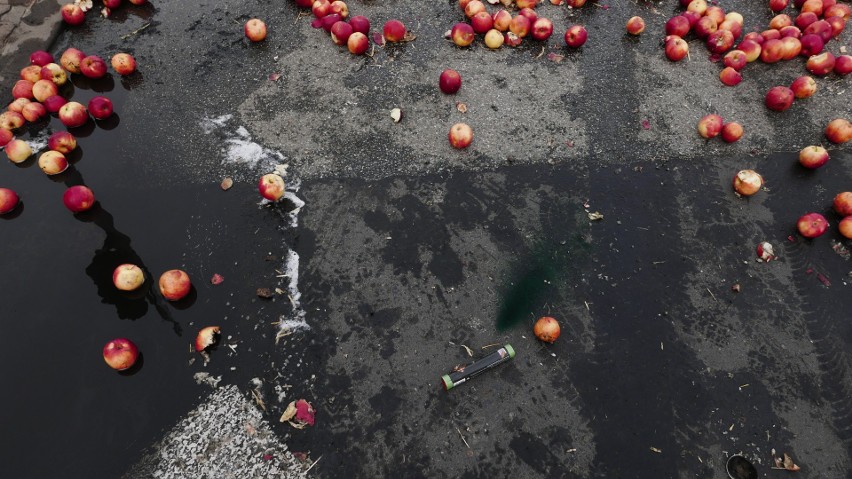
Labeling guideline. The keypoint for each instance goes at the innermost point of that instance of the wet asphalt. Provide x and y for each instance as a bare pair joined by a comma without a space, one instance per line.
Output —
409,250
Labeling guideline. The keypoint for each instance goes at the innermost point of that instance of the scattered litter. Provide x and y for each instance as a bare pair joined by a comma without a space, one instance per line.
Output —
105,12
555,57
265,293
765,252
378,39
461,374
217,279
226,184
299,414
462,437
461,107
785,463
85,5
840,249
646,125
595,216
206,337
823,279
396,114
469,352
206,378
658,451
258,399
408,37
736,288
274,76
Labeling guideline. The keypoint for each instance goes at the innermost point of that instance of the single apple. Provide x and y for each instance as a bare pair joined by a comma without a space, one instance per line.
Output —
803,87
710,126
812,225
716,13
128,277
676,49
678,25
838,10
174,284
732,132
772,51
31,73
481,22
339,7
8,200
821,64
43,89
751,49
574,3
526,4
255,30
52,162
747,182
62,141
360,24
520,26
814,6
473,7
33,112
71,59
18,151
93,67
812,44
40,58
206,337
54,103
54,73
730,76
735,59
394,30
704,27
321,8
778,5
780,21
5,137
340,32
502,19
542,28
813,156
78,198
271,187
636,25
697,6
18,105
791,31
576,36
838,24
460,135
450,81
511,39
23,89
123,63
358,43
843,65
779,98
72,14
720,41
843,203
494,39
120,354
73,114
112,4
837,131
845,227
805,19
462,34
12,120
791,47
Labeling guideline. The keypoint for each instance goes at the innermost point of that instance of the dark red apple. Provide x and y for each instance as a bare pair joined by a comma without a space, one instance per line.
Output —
78,198
450,81
779,98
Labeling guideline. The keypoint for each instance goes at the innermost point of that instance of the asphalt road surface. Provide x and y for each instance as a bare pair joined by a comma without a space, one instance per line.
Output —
395,254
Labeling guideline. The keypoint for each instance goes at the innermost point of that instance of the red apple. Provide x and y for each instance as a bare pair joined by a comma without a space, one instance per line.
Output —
72,14
23,89
481,22
328,21
473,7
450,81
54,73
12,120
732,132
5,137
790,31
838,131
747,182
358,43
755,37
339,7
720,41
751,49
526,4
18,105
838,24
692,17
843,65
791,48
206,337
772,51
779,98
845,227
78,198
100,107
814,6
710,126
843,203
123,63
821,28
636,25
71,59
530,14
678,25
821,64
520,26
542,28
838,10
62,141
394,30
805,19
340,33
502,19
735,59
93,67
770,34
33,112
705,26
575,36
462,34
54,103
812,44
73,114
120,354
780,21
31,73
574,3
511,39
304,3
128,277
52,162
460,135
174,284
254,29
812,225
730,76
778,5
44,89
40,58
18,151
360,24
112,4
271,187
321,8
716,13
813,157
8,200
803,87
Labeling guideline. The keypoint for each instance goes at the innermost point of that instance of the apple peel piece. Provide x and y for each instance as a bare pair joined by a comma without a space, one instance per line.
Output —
299,414
216,279
206,337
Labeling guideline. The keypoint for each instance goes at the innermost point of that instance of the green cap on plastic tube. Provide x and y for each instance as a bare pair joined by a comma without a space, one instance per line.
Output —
448,383
510,349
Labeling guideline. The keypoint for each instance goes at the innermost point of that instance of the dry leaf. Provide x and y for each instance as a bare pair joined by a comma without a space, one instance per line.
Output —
289,413
596,216
264,293
555,57
396,114
461,107
469,352
378,39
658,451
227,183
105,12
789,464
408,37
217,279
274,76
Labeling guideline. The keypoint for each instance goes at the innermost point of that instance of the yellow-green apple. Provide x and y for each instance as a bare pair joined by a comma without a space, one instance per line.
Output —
493,39
43,89
31,73
12,120
128,277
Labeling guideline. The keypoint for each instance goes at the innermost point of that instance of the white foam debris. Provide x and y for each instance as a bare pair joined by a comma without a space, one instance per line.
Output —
238,145
295,320
293,215
207,378
294,325
209,125
39,142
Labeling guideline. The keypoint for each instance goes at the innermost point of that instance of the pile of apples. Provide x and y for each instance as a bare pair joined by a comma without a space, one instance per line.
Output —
74,14
502,28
